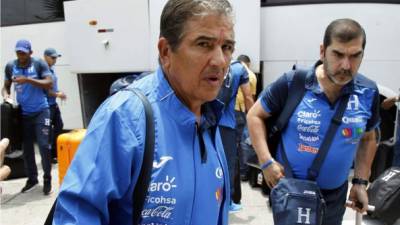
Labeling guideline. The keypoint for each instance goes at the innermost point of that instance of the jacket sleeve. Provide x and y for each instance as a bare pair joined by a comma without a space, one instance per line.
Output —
103,170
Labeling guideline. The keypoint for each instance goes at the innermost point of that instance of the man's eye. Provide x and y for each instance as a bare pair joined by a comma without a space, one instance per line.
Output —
204,44
338,54
356,56
228,48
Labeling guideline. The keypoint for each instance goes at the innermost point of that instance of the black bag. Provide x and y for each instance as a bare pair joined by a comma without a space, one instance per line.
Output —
296,201
382,161
15,161
384,194
143,182
11,126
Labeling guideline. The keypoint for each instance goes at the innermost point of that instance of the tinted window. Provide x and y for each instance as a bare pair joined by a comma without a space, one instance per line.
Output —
18,12
298,2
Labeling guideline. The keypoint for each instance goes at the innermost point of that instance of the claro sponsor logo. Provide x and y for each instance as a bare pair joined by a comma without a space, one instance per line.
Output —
164,186
313,115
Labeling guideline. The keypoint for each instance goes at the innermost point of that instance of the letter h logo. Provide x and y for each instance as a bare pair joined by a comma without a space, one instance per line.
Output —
301,214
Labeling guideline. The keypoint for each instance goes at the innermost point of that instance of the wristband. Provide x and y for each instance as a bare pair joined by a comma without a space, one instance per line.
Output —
267,164
359,181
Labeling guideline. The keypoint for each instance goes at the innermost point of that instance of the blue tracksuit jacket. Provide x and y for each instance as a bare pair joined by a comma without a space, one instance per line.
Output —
189,185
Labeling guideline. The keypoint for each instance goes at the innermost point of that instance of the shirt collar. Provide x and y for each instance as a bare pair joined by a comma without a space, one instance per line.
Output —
26,66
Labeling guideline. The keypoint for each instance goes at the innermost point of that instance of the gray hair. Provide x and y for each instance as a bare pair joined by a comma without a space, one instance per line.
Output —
177,13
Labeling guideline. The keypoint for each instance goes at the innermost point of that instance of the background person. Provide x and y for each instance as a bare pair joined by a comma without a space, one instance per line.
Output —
240,115
31,78
239,79
334,76
50,56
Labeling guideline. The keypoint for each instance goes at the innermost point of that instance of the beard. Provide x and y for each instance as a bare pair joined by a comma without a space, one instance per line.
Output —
334,77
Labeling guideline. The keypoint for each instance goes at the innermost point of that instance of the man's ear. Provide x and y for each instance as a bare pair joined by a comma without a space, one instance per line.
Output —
164,51
322,52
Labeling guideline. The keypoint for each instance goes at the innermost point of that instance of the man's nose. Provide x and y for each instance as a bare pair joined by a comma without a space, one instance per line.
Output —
346,64
218,58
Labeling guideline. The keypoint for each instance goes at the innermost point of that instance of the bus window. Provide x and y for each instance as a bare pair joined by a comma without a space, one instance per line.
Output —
18,12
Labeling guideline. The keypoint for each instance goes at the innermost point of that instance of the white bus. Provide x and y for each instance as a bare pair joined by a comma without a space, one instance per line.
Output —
101,40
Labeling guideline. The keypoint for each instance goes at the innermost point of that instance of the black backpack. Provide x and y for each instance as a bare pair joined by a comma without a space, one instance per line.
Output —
384,194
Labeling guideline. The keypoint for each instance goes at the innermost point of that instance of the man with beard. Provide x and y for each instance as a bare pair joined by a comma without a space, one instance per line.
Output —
327,83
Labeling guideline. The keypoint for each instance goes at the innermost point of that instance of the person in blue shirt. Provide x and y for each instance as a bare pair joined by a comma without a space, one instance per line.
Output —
50,56
237,78
31,78
189,182
328,81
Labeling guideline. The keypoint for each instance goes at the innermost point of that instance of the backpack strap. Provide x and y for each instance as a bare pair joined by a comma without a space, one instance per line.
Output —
38,68
336,121
294,95
143,182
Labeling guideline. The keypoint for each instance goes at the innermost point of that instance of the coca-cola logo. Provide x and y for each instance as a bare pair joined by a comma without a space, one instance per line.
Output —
163,212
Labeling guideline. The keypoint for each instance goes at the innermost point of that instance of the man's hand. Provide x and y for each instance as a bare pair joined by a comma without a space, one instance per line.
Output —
358,196
7,98
4,170
61,95
20,79
273,174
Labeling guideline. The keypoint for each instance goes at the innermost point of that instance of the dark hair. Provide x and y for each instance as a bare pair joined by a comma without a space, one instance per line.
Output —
176,13
344,30
244,58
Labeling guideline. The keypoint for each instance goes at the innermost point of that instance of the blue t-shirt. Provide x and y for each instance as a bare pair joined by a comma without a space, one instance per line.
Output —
51,99
309,123
32,99
239,76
